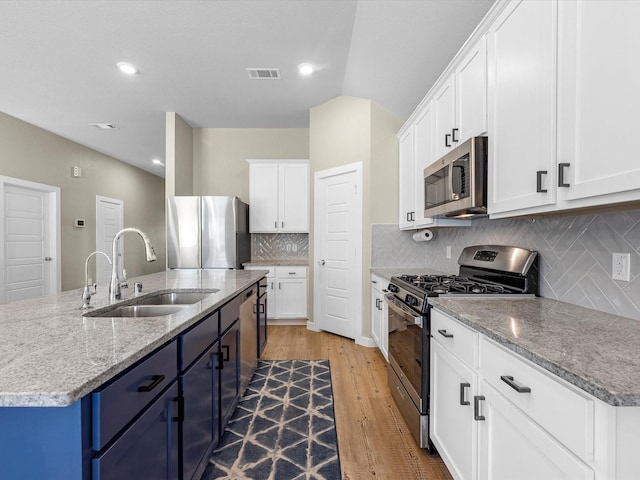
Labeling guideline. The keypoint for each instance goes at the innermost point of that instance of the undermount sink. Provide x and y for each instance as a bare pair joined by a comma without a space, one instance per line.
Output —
153,305
132,311
175,298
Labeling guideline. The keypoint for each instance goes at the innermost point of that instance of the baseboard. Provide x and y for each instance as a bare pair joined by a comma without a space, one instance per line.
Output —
287,321
366,341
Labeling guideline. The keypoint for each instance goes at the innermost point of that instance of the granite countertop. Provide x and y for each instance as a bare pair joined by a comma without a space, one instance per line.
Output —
291,262
595,351
51,355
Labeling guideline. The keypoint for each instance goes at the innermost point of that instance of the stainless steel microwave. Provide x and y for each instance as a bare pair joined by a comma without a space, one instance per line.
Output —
456,185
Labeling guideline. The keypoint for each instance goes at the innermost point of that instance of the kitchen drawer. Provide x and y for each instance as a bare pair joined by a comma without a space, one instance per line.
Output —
197,339
291,272
460,340
272,270
116,404
229,313
562,411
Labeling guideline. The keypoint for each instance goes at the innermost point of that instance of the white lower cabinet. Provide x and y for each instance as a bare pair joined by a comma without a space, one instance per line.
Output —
453,430
496,416
287,291
512,445
379,315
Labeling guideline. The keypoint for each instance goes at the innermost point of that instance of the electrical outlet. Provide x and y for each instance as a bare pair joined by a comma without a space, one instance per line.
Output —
288,247
448,251
620,266
294,247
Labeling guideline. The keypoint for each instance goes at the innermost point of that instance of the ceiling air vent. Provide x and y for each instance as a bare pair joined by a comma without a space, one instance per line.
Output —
264,73
104,126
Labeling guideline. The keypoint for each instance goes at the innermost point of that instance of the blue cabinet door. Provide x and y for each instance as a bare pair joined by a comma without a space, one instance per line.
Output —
148,448
200,424
229,373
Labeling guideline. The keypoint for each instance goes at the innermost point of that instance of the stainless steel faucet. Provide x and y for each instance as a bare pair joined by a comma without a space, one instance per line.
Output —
114,286
86,292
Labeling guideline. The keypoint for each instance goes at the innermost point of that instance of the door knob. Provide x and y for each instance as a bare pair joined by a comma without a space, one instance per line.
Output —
322,262
47,259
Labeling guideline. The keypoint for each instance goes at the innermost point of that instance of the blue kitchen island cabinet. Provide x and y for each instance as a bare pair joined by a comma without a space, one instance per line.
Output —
52,443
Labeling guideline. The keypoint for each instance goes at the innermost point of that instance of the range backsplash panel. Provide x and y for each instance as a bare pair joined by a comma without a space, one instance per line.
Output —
575,254
279,246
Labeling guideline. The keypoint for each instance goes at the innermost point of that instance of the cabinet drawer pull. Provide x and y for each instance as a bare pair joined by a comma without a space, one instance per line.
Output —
225,353
539,188
518,388
476,408
220,365
561,167
180,417
446,140
275,224
454,139
155,381
282,224
463,400
445,334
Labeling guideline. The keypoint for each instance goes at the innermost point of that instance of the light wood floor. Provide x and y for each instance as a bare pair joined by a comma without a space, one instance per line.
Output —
373,440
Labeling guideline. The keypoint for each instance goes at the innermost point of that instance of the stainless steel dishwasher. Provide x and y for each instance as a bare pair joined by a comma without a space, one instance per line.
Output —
248,337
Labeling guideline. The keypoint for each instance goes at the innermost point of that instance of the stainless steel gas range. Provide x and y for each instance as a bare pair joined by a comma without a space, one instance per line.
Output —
485,270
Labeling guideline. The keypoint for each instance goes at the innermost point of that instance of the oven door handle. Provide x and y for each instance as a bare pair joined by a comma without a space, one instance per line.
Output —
402,310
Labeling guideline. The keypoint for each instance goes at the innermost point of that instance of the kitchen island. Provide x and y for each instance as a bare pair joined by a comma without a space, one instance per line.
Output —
53,359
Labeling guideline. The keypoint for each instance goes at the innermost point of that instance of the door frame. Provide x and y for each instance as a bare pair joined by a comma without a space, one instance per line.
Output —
117,201
55,272
356,278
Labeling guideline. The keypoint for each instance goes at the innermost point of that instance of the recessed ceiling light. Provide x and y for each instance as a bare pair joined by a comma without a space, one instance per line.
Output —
305,69
157,162
127,68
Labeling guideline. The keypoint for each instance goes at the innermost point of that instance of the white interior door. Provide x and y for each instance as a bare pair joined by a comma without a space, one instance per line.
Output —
338,247
109,221
30,257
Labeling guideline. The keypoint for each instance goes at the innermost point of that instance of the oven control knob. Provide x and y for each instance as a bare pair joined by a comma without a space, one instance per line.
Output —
392,288
411,300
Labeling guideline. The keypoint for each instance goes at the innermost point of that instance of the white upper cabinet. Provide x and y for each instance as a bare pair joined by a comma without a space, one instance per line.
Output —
471,93
460,103
598,99
560,137
522,111
407,175
279,196
444,106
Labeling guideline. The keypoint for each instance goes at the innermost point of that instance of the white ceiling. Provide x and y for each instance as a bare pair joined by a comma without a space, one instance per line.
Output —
59,60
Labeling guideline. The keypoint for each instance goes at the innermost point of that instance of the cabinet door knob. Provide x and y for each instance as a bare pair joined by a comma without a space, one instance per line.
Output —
539,188
561,167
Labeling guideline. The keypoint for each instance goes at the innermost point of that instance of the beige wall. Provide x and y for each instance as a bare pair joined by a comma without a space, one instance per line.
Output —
179,156
30,153
220,154
347,130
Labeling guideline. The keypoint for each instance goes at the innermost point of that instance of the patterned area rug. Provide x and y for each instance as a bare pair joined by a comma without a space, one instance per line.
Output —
283,427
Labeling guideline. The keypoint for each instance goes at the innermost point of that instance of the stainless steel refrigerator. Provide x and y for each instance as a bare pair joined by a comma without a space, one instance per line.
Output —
207,232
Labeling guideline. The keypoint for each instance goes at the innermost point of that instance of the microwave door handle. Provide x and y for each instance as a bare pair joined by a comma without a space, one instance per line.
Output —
451,195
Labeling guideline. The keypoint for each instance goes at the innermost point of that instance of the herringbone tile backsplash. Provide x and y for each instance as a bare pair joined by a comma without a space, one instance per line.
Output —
279,246
575,254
